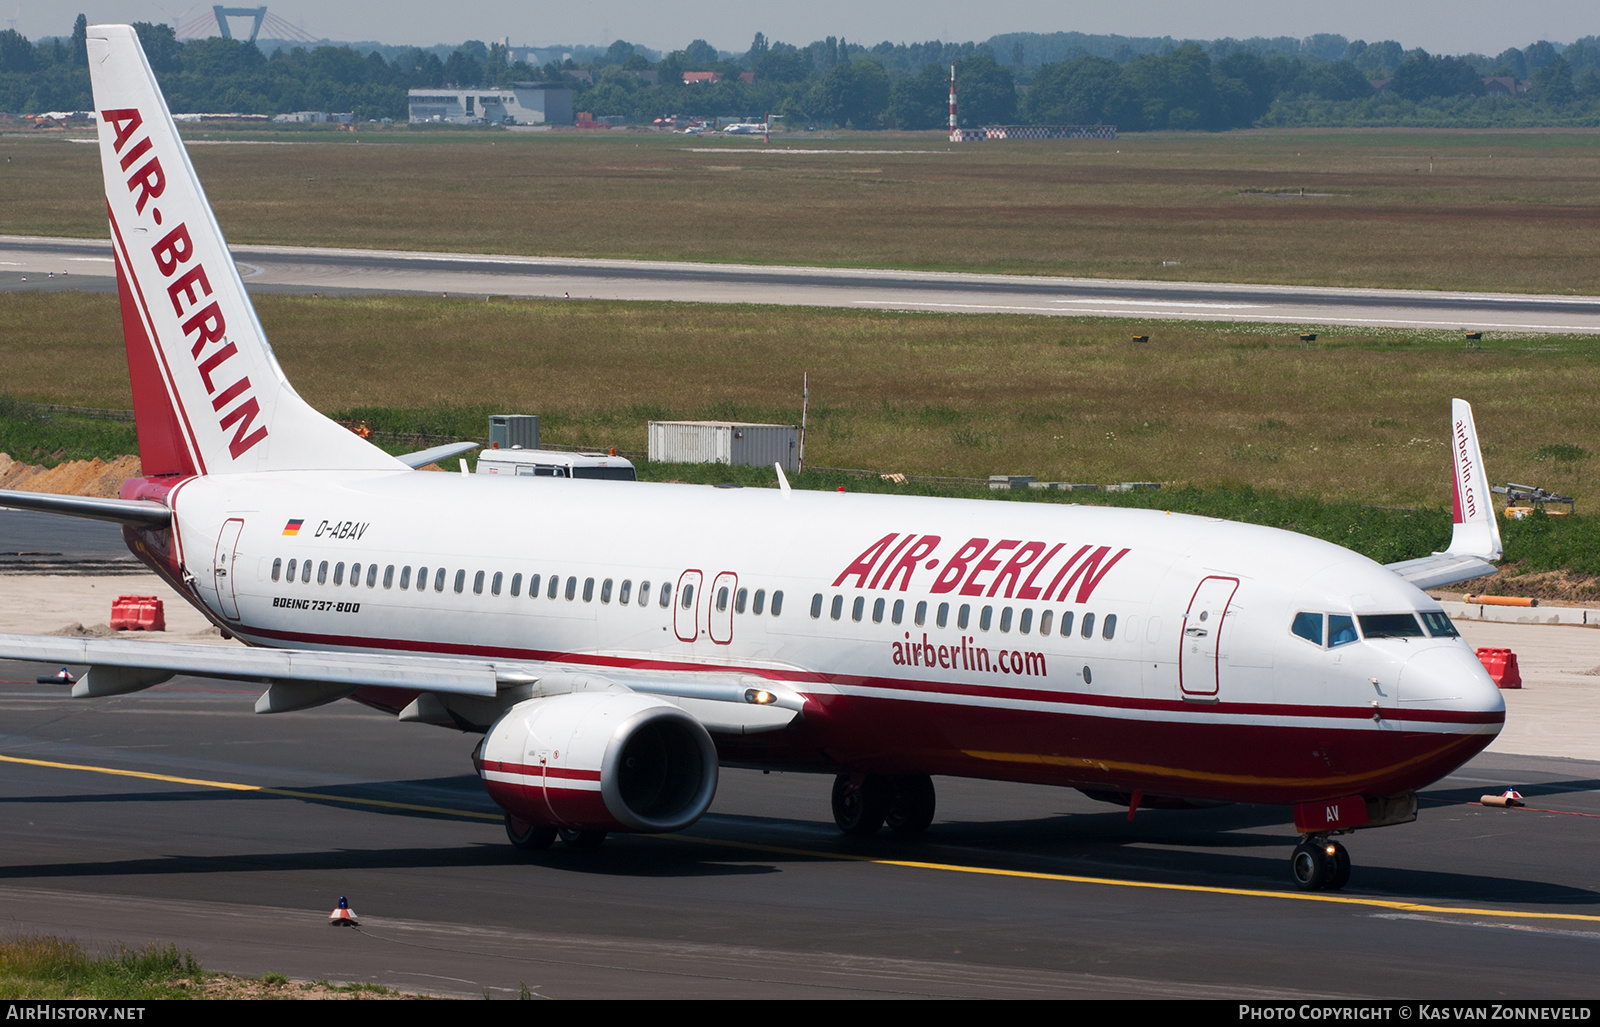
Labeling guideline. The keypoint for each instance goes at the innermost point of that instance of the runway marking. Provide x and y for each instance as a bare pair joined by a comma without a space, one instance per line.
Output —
1034,875
233,786
1037,875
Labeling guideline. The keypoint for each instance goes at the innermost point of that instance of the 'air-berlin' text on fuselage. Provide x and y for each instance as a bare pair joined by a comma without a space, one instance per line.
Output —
1021,569
187,288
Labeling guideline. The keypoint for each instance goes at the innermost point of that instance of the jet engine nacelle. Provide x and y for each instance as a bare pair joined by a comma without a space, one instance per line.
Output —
613,761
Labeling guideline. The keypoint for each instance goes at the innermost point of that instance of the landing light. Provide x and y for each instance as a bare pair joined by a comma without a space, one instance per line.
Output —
759,696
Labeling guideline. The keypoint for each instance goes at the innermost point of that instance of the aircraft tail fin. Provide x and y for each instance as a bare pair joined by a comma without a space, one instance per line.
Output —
209,396
1476,532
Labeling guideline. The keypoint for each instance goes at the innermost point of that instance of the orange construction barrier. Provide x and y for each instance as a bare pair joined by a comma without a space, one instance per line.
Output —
1502,601
138,613
1502,667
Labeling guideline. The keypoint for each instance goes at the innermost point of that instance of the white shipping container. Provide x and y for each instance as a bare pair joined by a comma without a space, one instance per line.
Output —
724,442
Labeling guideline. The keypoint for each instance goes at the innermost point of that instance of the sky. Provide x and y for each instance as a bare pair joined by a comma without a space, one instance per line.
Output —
1440,26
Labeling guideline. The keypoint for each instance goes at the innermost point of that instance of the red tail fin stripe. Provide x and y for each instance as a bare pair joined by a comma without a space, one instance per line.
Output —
190,442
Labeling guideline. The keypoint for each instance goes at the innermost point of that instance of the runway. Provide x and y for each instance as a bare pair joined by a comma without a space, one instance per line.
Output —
86,264
178,815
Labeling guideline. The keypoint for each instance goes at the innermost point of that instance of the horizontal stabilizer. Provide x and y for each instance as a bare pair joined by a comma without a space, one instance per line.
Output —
138,512
424,457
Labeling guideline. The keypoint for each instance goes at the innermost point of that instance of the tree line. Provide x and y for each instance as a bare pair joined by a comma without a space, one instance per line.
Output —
1137,85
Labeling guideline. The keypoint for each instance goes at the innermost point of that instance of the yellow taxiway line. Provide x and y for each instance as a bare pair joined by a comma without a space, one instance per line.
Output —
1035,875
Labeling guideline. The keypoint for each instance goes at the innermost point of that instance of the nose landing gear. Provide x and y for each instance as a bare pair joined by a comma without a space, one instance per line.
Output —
1319,864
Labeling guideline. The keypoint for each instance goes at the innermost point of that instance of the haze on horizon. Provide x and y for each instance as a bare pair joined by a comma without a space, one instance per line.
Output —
1440,26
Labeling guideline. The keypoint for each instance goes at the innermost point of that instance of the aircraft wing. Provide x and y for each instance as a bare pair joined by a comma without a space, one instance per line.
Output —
1475,539
1441,569
299,679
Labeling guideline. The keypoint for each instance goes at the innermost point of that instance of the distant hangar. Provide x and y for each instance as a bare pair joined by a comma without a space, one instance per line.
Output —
525,103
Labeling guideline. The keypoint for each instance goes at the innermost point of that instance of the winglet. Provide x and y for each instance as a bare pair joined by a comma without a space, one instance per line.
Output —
1476,533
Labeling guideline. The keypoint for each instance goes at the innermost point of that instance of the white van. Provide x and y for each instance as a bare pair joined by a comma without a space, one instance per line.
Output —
547,463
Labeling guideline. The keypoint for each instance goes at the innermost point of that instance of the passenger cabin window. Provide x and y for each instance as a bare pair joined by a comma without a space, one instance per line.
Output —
1389,625
277,568
555,586
816,606
355,575
305,572
372,575
516,585
722,599
963,616
899,613
438,580
1045,619
838,608
1110,630
943,617
1341,630
605,591
1308,626
777,602
322,573
740,599
1066,623
666,596
877,611
292,568
688,597
405,578
1025,624
461,582
1439,625
986,617
625,593
477,582
495,582
388,576
1005,619
921,616
338,573
1088,626
588,590
572,588
758,601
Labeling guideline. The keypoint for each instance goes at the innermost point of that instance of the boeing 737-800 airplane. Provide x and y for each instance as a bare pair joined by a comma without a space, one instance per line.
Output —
615,641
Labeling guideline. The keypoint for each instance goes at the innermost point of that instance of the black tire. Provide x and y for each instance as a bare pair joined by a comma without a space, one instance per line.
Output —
577,839
911,804
1311,866
532,837
859,812
1341,868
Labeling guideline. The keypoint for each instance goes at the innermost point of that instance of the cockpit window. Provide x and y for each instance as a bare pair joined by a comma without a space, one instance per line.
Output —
1439,625
1390,625
1341,630
1309,627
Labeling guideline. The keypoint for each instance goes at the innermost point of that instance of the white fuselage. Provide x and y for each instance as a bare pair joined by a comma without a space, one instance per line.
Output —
925,634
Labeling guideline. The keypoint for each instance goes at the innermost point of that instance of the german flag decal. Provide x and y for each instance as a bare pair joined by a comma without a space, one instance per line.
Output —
293,527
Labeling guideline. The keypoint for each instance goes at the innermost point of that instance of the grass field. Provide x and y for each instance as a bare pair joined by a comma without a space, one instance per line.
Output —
1496,211
1361,417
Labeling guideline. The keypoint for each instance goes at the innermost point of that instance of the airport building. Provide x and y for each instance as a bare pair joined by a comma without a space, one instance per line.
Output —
525,103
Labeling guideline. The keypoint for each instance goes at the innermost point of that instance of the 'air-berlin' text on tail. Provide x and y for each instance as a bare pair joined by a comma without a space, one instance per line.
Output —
208,395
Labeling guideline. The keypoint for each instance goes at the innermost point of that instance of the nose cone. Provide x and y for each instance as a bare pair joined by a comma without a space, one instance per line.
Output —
1446,685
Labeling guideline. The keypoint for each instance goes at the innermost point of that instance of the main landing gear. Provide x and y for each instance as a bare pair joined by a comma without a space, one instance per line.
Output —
863,803
537,837
1320,864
